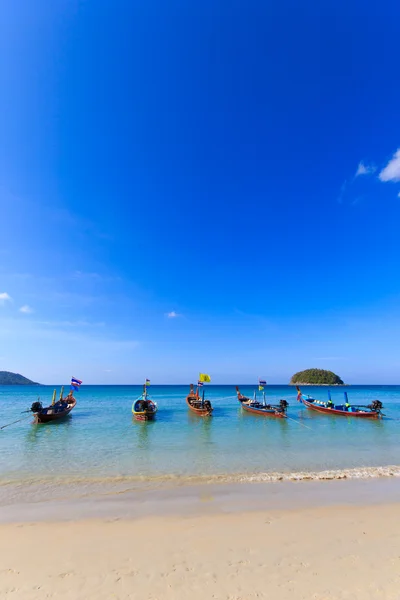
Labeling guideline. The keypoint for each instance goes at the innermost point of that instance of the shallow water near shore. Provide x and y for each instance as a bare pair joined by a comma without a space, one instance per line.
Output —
101,444
222,498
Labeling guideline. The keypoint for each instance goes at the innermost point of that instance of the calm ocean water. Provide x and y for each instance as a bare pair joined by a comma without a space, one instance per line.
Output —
101,441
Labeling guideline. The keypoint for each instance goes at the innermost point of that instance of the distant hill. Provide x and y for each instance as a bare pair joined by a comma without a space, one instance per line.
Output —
316,377
7,378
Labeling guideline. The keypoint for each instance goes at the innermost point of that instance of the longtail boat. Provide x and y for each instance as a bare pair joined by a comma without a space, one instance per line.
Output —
56,410
262,408
197,403
144,409
240,396
370,411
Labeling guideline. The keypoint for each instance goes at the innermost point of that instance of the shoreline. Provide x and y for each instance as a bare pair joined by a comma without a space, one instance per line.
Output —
362,472
144,500
41,491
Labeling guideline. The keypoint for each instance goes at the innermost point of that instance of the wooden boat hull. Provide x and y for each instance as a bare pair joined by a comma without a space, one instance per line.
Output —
49,417
240,396
263,412
243,398
144,414
341,413
201,412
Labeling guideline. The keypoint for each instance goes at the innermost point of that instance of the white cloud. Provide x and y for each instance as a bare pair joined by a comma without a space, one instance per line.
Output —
27,310
363,169
392,170
173,315
4,297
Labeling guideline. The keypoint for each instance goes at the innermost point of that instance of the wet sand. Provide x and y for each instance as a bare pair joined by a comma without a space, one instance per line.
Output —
77,501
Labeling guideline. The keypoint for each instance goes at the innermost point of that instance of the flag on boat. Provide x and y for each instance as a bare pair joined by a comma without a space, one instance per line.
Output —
299,395
147,382
262,382
260,388
200,384
204,378
75,384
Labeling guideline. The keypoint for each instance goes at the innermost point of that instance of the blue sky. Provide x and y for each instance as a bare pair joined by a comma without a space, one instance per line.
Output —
199,186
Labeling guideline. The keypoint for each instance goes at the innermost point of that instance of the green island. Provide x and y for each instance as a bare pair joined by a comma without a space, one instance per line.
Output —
316,377
8,378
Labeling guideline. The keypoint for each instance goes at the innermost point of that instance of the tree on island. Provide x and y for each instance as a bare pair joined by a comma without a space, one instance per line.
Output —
316,377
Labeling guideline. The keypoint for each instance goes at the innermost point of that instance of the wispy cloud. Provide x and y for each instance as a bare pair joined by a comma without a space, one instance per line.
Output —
70,324
63,216
22,276
329,358
364,169
4,297
392,170
93,276
342,191
85,275
173,315
26,309
67,299
97,340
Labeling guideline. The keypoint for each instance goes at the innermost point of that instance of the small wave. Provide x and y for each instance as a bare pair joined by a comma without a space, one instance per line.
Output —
175,479
356,473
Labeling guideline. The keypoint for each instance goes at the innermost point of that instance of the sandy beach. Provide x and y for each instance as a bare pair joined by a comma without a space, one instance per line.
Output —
319,553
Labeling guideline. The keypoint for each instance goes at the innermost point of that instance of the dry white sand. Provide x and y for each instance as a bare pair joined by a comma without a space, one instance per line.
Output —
314,554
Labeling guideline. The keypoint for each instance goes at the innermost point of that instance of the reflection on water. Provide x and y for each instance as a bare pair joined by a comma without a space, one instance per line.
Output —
47,434
47,444
143,432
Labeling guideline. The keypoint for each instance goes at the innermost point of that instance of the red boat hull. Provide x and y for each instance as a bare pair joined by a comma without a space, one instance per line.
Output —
144,417
262,412
341,413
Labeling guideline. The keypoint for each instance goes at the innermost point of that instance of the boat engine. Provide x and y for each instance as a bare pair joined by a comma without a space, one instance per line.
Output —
376,405
36,407
281,408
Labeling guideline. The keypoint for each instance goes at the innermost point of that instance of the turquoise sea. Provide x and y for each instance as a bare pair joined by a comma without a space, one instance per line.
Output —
101,442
